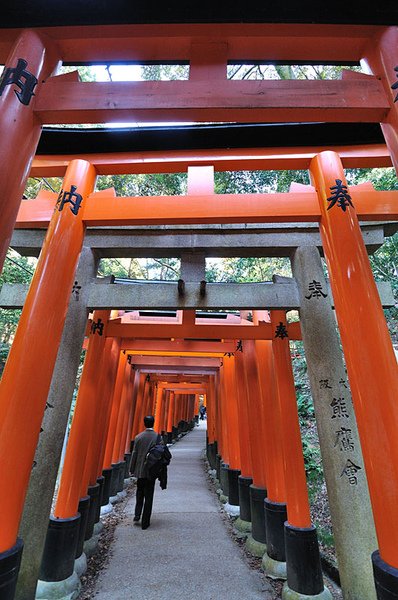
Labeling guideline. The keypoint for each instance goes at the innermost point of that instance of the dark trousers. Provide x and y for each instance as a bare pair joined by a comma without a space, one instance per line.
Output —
144,498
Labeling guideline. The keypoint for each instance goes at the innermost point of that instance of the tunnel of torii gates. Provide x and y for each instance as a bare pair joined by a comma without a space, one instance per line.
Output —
139,362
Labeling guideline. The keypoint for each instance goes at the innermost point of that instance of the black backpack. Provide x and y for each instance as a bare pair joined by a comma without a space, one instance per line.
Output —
158,457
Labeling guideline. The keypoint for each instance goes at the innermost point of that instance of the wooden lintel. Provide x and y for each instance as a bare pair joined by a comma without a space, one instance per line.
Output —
272,101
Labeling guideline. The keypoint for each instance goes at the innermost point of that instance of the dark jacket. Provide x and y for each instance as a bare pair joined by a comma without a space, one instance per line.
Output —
142,443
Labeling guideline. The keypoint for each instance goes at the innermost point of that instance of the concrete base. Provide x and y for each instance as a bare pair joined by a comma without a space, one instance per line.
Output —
243,526
232,509
98,528
114,499
288,594
256,548
68,589
107,509
275,569
223,499
122,495
91,545
81,564
127,481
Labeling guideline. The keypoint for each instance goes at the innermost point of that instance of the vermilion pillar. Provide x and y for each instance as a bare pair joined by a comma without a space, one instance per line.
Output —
79,446
255,414
298,509
170,418
138,412
274,561
304,573
115,411
33,59
256,542
245,478
381,58
160,400
30,364
232,418
370,359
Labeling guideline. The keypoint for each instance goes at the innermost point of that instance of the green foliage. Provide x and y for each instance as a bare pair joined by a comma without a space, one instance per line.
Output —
312,459
325,536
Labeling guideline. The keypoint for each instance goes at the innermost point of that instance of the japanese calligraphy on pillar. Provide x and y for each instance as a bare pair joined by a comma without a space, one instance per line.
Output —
315,290
19,76
340,196
281,331
76,290
342,437
71,197
97,327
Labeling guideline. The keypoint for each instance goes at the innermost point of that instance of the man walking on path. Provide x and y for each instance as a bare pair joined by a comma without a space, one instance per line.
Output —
145,486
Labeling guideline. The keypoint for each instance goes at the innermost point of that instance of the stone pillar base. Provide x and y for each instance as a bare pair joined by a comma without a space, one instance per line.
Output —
98,528
275,569
91,546
243,526
81,564
231,509
107,509
256,548
288,594
68,589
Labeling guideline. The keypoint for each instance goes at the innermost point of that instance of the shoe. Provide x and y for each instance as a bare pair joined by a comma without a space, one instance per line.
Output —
136,519
144,526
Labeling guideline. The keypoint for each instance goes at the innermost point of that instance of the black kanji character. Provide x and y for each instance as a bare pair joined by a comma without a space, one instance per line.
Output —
97,326
340,195
76,290
315,289
339,408
350,470
68,197
20,77
281,331
324,384
344,440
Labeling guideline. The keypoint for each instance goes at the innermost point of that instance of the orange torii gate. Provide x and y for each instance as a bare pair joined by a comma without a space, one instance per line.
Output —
207,96
371,205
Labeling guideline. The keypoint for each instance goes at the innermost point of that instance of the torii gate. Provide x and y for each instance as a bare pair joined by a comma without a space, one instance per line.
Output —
65,99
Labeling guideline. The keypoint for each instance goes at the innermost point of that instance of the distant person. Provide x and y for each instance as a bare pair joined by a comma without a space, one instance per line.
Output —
145,485
202,413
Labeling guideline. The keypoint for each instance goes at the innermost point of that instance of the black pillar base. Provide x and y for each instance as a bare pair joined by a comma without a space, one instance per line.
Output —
10,561
114,479
59,552
224,478
303,563
386,578
107,474
218,466
174,432
169,438
131,446
122,469
233,489
275,517
244,484
257,497
209,454
93,491
127,461
101,483
83,508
